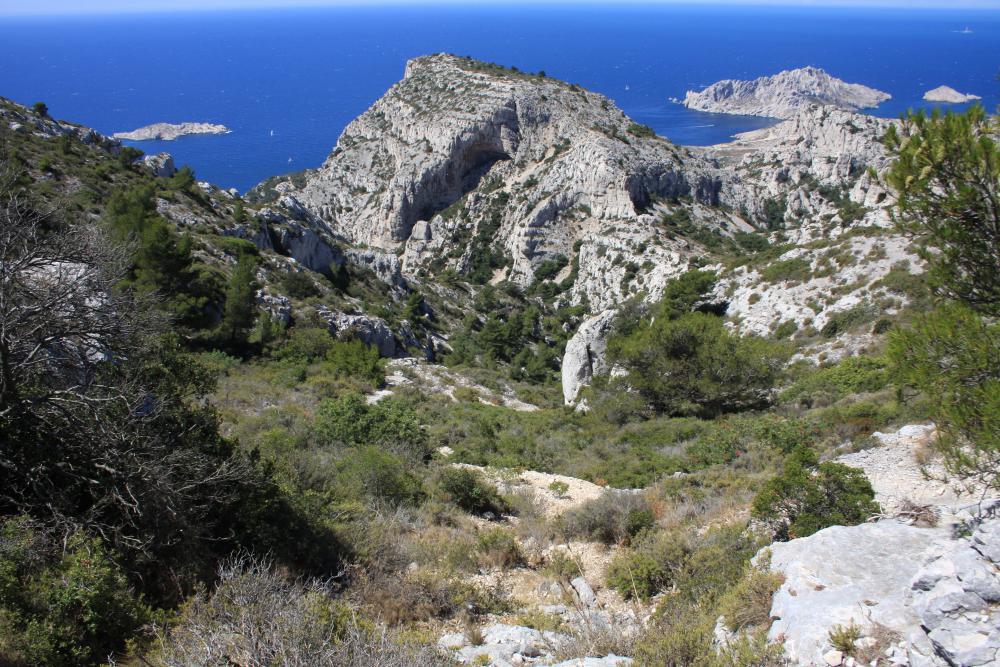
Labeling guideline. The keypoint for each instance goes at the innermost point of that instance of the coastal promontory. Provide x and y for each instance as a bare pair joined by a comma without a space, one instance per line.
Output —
948,95
171,131
784,94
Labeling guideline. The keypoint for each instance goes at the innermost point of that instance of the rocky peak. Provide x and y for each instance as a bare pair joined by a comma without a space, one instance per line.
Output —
460,155
784,94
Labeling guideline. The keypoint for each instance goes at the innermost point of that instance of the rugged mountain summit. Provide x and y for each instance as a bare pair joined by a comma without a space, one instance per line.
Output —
784,94
463,163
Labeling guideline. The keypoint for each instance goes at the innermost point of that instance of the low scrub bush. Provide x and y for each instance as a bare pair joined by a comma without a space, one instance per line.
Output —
748,603
808,496
797,269
467,489
613,518
498,548
850,376
62,603
388,424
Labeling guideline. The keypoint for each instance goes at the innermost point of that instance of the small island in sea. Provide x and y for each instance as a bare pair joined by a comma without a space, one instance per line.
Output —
784,94
171,131
948,95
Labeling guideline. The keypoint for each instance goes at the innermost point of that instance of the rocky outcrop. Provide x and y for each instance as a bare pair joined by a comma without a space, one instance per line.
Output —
462,160
161,164
784,94
170,131
19,118
957,598
370,330
585,355
948,95
929,598
904,472
922,588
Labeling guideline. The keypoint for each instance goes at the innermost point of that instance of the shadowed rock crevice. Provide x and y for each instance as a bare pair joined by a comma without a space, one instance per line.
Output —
452,180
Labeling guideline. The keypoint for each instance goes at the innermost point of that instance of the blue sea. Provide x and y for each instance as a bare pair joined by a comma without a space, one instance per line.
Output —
288,81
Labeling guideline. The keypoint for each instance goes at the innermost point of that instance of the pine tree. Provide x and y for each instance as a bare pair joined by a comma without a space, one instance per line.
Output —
241,301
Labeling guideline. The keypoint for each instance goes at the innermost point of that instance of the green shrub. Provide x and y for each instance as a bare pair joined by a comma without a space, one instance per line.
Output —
354,359
953,356
729,438
559,489
849,376
368,473
62,604
562,566
786,329
305,343
298,285
637,130
637,575
236,246
774,213
748,603
692,365
797,268
844,320
613,518
550,267
388,424
752,242
498,548
843,638
808,496
467,489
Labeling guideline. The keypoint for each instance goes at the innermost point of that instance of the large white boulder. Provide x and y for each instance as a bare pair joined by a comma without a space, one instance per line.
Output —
939,592
585,355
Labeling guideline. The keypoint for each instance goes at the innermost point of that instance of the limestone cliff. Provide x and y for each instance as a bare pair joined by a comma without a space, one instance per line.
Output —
784,94
463,163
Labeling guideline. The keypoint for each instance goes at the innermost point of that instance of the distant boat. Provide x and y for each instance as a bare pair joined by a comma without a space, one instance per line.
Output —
289,160
967,31
272,133
627,87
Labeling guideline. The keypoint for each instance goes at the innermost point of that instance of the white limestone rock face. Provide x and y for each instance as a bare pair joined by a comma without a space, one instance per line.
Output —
939,593
161,164
784,94
830,575
585,355
458,149
507,645
370,330
817,146
948,95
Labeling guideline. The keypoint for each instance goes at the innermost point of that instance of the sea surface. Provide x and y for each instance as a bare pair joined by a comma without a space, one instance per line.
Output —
288,81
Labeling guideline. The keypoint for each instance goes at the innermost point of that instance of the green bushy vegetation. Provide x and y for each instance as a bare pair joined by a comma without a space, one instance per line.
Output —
808,496
467,489
688,363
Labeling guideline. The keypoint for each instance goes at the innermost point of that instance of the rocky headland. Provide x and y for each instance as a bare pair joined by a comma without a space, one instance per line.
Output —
784,94
171,131
948,95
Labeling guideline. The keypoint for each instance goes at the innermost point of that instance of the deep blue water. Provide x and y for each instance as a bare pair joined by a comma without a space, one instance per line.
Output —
304,74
